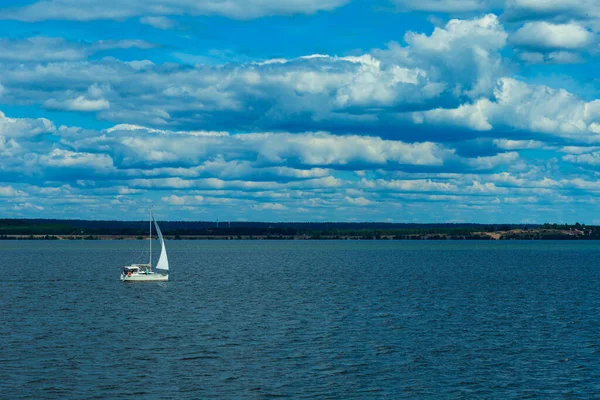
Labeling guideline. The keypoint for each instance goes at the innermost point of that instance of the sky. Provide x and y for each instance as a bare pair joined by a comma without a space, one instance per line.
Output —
483,111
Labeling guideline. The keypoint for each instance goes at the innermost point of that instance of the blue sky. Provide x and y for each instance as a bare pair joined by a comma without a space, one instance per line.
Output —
305,110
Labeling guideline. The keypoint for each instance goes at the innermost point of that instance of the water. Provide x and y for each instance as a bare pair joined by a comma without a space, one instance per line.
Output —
303,319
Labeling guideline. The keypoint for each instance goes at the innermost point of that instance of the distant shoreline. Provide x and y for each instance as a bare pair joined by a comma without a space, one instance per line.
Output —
513,234
56,229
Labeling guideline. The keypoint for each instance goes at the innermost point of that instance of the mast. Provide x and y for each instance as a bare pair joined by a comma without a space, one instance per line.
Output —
150,238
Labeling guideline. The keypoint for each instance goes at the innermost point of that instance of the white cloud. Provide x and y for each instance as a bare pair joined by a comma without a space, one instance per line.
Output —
545,35
374,85
158,22
463,53
553,57
534,108
508,144
92,101
564,57
578,149
326,149
454,76
41,49
532,57
473,116
140,64
9,147
114,9
9,191
66,158
580,183
141,158
506,179
358,201
459,59
182,200
140,146
542,109
588,159
121,44
551,9
24,127
27,206
269,206
490,162
412,185
79,103
447,6
521,200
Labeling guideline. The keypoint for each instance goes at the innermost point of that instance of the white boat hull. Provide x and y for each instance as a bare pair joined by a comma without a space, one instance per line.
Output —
145,278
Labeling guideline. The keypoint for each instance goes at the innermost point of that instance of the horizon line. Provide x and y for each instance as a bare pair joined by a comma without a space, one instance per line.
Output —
306,222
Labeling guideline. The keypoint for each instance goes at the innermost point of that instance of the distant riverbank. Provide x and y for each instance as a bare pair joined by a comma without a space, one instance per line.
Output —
55,229
512,234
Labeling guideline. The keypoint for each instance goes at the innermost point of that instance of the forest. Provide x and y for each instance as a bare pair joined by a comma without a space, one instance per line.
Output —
88,229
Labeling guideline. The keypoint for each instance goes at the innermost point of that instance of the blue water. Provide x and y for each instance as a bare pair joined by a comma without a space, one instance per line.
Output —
302,319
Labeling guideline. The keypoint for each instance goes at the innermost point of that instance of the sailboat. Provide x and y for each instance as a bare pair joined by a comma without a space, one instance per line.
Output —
143,272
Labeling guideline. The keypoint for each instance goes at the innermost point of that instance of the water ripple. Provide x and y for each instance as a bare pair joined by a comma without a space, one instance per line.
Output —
302,320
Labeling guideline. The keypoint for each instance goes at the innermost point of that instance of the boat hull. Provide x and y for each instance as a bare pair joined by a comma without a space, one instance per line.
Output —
145,278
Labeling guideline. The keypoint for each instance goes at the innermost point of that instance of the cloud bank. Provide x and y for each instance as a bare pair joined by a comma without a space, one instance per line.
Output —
453,122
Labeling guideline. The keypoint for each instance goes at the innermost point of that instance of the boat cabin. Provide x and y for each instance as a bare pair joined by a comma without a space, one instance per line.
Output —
131,268
137,269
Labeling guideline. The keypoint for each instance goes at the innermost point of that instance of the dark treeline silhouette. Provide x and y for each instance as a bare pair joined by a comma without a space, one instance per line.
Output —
315,230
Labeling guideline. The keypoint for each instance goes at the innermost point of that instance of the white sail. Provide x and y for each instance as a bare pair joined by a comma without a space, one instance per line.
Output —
163,261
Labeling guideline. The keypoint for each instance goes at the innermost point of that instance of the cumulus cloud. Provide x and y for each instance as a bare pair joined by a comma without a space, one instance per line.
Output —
490,162
519,10
464,54
473,116
358,201
79,103
374,85
66,158
9,191
139,158
112,9
138,146
313,134
24,127
461,59
545,35
92,101
508,144
147,159
542,109
534,108
592,159
324,149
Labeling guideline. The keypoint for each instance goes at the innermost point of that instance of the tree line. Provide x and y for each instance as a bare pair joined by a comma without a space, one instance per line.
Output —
50,228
